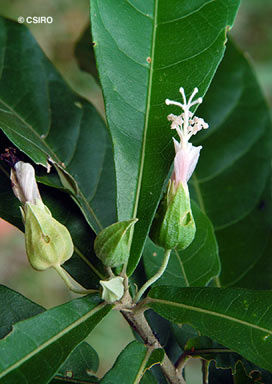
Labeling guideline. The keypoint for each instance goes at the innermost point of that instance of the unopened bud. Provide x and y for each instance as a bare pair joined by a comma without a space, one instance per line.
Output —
112,244
48,242
113,289
24,184
174,225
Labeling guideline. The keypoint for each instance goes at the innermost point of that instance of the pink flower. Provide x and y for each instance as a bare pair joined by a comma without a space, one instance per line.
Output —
186,125
184,163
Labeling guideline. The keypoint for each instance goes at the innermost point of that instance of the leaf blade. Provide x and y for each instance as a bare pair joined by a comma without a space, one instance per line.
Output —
231,182
39,338
211,311
144,48
50,121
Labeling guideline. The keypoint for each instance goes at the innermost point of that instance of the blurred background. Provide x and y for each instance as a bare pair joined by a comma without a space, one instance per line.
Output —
252,32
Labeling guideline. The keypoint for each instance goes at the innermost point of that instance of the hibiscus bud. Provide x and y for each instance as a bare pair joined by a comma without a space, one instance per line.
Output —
113,289
173,225
48,242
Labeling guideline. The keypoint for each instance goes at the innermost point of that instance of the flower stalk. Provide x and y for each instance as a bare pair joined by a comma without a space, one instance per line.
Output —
151,281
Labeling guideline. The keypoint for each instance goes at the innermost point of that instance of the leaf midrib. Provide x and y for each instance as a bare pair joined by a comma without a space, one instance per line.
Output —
211,313
52,339
148,105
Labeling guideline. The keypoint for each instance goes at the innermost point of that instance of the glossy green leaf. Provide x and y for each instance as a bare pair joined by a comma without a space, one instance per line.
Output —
44,342
18,308
80,365
244,313
46,120
136,358
15,308
145,51
233,170
194,266
84,265
259,276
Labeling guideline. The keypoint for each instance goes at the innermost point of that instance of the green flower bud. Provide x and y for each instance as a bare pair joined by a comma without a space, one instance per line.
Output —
113,289
112,244
174,225
48,242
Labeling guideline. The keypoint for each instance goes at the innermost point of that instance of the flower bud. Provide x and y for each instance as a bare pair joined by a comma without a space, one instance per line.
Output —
173,225
112,244
24,184
113,289
48,242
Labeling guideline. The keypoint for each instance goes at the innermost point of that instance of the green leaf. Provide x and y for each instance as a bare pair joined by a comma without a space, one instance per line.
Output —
233,171
244,313
112,244
148,378
84,53
194,266
145,51
216,376
80,364
84,265
37,347
223,357
136,358
42,116
18,308
15,308
260,275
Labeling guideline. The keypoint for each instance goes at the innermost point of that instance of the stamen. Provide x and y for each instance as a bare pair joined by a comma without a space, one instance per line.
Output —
186,124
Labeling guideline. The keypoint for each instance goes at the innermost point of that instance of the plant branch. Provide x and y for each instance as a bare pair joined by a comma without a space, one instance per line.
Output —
151,281
138,322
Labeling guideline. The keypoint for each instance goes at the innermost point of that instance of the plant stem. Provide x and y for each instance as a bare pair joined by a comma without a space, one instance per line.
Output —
180,364
151,281
109,270
139,323
205,371
68,281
